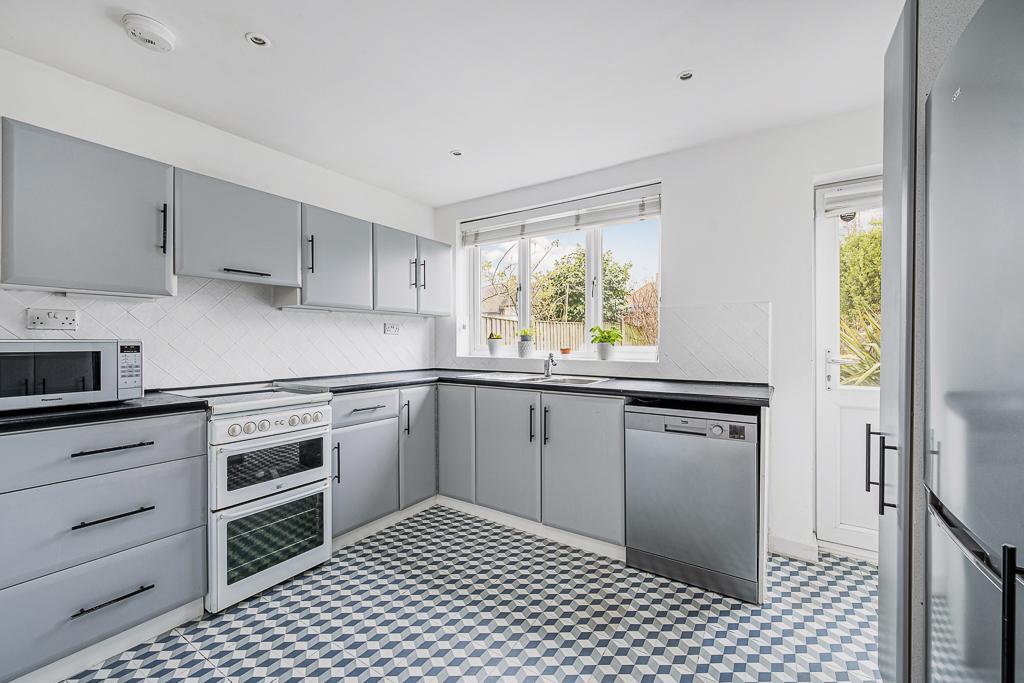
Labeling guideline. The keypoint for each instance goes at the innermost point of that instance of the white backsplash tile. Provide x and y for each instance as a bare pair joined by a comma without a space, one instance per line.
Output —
218,331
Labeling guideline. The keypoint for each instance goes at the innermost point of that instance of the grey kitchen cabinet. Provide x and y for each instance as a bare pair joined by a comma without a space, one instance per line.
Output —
395,270
417,445
435,277
583,465
365,473
78,216
508,450
337,262
228,231
456,442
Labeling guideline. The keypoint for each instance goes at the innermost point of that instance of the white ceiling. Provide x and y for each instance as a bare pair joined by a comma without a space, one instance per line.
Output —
529,90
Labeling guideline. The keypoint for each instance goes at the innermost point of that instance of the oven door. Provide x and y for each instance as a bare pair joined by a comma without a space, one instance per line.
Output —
35,374
254,468
259,544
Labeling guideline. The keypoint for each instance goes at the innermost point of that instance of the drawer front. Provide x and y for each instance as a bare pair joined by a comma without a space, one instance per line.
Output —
353,409
43,620
49,528
53,455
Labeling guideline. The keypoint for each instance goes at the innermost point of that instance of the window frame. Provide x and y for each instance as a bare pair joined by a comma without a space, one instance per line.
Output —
594,246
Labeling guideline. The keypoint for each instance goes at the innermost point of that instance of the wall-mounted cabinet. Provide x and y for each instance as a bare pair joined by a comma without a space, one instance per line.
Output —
395,270
337,263
227,231
78,216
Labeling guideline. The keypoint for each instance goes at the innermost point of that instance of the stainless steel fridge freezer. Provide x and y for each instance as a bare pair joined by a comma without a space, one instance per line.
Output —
974,322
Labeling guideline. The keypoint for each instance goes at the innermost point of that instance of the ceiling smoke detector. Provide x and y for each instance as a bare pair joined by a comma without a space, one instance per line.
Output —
257,39
149,33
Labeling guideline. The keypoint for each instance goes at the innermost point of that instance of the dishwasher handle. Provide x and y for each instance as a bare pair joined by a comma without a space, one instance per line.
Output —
686,425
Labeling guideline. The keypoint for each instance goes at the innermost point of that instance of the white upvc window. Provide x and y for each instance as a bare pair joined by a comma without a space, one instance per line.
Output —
563,269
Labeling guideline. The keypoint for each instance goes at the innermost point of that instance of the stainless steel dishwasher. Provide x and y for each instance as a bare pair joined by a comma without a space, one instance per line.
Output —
692,497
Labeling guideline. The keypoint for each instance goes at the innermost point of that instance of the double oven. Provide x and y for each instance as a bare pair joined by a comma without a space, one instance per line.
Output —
269,491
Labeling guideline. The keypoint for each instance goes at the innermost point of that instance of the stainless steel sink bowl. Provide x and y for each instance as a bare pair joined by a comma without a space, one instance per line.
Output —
525,378
566,379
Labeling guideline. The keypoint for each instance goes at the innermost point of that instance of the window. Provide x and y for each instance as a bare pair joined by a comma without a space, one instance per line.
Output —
561,270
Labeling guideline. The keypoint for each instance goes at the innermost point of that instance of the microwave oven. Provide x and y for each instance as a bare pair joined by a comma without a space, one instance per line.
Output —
37,373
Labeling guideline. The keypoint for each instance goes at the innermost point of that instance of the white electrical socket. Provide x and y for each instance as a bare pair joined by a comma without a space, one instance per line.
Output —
51,319
391,328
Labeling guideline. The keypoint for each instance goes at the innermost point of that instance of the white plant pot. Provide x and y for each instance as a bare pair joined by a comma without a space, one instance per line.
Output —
494,346
604,351
525,348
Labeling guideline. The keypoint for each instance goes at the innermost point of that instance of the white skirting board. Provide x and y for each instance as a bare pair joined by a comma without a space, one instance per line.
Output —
797,550
847,551
373,527
115,645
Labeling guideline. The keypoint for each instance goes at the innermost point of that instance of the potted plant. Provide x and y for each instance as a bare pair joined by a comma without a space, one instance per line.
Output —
494,343
525,343
565,351
604,340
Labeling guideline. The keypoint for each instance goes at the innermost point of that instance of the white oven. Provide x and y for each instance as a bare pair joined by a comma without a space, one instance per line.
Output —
244,470
256,545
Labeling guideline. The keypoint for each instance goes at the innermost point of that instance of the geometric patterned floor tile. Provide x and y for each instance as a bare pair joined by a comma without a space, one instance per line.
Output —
445,595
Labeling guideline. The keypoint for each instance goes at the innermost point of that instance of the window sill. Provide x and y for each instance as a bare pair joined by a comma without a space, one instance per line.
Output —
618,357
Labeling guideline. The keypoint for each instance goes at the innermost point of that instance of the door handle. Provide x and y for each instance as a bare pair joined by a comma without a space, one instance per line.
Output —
415,272
239,271
868,433
1008,579
359,410
85,525
408,418
532,435
423,264
838,361
337,462
544,427
141,589
163,243
312,253
882,448
113,449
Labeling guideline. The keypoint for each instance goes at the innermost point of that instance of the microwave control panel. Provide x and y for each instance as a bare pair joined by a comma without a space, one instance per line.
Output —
129,369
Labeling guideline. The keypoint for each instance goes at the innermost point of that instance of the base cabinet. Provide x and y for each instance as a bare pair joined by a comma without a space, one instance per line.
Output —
508,451
365,474
583,465
417,445
456,442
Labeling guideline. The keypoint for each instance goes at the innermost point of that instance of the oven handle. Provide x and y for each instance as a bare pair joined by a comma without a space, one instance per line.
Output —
257,444
273,501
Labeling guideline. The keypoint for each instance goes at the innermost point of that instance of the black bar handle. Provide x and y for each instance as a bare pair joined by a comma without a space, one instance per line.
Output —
408,418
359,410
423,264
545,425
141,589
882,448
1009,630
532,435
85,525
415,274
312,253
239,271
337,461
163,244
112,449
868,433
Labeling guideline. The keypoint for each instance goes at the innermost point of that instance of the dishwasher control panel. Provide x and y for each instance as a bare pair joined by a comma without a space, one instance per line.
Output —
733,431
710,425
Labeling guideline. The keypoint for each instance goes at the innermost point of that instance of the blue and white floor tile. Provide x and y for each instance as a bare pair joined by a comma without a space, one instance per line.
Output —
445,595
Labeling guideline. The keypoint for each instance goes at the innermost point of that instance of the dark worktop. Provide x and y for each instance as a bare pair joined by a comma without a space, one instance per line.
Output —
705,392
153,403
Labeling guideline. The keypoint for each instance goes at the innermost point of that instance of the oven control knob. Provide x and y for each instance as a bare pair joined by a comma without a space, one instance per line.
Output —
249,427
234,430
317,416
306,418
716,430
264,425
293,420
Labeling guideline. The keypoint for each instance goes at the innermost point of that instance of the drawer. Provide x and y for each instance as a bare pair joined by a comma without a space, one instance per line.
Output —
56,615
353,409
51,455
49,528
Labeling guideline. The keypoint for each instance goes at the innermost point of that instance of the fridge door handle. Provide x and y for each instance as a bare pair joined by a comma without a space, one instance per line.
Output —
868,433
1009,618
882,448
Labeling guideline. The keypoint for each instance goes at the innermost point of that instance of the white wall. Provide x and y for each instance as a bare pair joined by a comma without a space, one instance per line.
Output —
737,229
214,331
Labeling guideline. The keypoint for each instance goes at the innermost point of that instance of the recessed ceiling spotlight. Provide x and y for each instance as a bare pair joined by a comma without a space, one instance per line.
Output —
685,75
257,39
456,152
149,33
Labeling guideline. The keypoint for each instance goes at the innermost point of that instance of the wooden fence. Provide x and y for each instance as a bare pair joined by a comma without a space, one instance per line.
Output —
547,334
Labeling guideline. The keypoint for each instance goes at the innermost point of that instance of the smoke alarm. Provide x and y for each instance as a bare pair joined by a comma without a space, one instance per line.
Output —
149,33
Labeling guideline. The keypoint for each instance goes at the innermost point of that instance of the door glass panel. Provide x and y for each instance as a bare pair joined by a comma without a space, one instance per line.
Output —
266,464
499,291
558,291
860,296
264,539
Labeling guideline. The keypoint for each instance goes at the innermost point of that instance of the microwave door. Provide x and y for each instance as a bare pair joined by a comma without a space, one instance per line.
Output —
43,373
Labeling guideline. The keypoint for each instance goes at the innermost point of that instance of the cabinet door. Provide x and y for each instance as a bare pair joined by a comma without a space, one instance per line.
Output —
338,260
435,277
508,451
456,442
394,270
583,465
79,216
365,471
227,231
417,446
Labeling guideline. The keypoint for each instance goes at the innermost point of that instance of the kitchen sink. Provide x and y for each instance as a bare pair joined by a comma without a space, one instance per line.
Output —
565,379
